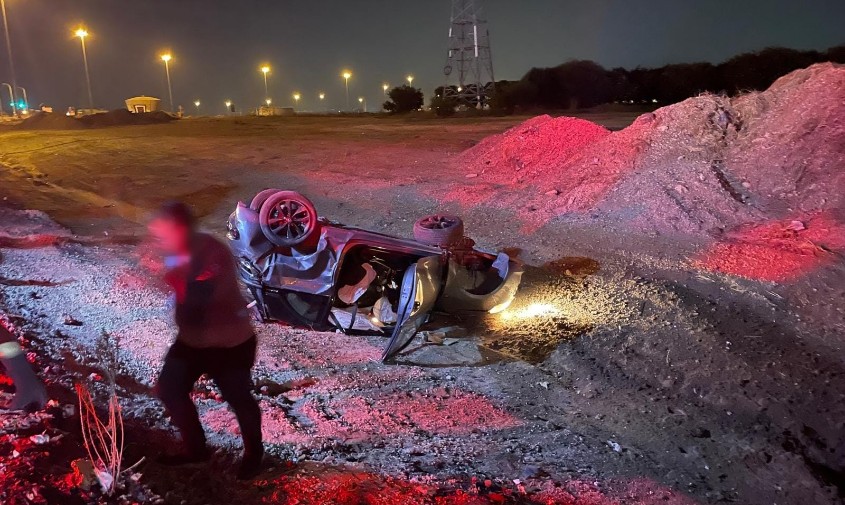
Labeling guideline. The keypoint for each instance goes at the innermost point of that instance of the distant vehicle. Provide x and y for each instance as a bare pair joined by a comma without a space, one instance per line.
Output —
310,272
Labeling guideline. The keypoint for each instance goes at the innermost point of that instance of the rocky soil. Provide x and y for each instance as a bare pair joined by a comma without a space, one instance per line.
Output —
678,338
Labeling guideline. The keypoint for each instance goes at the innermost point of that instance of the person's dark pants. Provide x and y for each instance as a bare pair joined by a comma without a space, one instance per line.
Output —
230,368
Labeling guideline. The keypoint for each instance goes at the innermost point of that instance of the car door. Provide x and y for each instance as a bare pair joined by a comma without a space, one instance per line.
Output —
420,288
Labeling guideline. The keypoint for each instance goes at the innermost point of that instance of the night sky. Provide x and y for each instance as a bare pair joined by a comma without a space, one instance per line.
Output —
218,45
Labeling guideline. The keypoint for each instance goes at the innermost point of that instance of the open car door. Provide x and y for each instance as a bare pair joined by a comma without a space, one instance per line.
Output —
420,289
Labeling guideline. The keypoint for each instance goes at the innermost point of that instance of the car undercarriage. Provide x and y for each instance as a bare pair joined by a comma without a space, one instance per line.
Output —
311,272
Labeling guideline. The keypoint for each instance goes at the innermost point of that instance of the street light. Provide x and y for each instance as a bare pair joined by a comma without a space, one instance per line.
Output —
14,84
385,87
296,97
346,75
197,105
82,33
265,69
24,106
166,57
228,106
11,95
268,102
410,80
363,101
322,96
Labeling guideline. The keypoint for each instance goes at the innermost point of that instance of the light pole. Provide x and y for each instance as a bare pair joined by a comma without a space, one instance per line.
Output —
82,33
197,104
296,97
11,96
25,107
363,102
346,75
228,106
11,60
266,70
322,96
166,57
385,87
410,79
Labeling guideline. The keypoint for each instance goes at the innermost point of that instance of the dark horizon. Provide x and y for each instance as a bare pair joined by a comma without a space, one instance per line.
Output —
218,46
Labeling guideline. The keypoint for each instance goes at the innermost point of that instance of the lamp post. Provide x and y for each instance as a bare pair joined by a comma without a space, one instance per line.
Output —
82,33
410,79
11,95
363,102
385,87
228,106
197,104
266,70
11,60
346,75
322,96
268,102
166,57
25,107
296,97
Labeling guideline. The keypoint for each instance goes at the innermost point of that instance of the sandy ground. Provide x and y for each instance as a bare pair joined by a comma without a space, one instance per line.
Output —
622,373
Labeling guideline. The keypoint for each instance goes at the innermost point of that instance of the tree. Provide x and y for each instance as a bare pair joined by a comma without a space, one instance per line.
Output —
760,69
836,54
513,95
584,83
442,105
681,81
404,99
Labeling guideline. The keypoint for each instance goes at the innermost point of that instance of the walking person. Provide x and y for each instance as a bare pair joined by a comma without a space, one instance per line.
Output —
214,337
30,394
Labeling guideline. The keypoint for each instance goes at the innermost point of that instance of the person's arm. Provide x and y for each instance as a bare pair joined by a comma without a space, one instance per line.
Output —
202,281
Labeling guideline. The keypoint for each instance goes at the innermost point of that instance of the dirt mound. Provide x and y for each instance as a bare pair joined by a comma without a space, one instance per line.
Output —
531,148
791,147
50,121
122,117
706,164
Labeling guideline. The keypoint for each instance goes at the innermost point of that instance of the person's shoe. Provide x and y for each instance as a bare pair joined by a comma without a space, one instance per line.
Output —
250,465
30,394
183,459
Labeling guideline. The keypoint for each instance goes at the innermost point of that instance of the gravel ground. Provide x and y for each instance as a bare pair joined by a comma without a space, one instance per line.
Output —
623,373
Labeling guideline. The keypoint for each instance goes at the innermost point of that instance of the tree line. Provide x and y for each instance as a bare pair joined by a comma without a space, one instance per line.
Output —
584,83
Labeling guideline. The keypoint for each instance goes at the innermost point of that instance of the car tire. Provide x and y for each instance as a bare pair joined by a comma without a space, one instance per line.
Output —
288,219
262,197
439,230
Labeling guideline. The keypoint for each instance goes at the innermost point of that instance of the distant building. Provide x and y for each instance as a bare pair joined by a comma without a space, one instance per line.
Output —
142,104
274,111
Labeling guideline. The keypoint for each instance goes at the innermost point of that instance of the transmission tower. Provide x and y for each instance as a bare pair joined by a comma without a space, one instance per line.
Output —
469,66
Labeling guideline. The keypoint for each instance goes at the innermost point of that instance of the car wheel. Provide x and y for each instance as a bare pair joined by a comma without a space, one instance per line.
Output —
262,197
287,218
439,230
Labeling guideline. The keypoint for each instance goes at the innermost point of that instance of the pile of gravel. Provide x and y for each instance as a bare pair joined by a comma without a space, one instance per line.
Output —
701,166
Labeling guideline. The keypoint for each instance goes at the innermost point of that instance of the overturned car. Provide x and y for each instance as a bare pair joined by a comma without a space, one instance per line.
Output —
308,271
